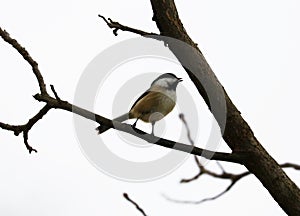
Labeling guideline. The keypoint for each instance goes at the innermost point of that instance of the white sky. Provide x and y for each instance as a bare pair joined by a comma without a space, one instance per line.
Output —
252,47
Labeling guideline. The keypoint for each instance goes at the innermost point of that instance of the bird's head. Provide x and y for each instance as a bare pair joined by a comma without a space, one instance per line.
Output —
167,80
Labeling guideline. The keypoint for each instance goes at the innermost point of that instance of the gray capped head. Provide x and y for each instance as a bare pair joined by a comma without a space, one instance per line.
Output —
167,80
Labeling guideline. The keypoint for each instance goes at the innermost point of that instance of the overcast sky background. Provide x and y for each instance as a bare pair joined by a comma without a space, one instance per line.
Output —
252,47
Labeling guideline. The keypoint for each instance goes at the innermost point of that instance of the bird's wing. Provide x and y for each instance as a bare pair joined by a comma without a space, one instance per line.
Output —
140,97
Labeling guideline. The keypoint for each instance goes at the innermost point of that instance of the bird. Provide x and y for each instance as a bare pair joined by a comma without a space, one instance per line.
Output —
154,104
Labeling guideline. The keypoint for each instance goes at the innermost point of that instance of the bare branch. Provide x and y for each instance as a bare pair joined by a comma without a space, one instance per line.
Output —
17,129
134,203
64,105
117,26
59,104
181,116
203,170
220,166
54,92
29,148
203,200
237,133
6,37
234,178
290,165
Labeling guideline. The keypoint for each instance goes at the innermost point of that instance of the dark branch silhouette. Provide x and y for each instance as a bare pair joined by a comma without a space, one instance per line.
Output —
234,178
17,129
117,26
237,133
55,93
64,105
246,149
134,203
6,37
57,103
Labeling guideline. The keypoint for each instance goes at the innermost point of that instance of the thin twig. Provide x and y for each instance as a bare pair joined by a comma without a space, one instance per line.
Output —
117,26
6,37
17,129
290,165
188,132
220,166
234,178
29,148
134,203
203,170
54,92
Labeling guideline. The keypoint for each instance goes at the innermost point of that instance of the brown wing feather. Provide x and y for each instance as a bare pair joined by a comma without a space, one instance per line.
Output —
140,97
151,102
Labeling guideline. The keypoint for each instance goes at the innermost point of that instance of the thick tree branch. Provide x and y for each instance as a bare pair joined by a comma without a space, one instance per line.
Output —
237,133
134,203
117,26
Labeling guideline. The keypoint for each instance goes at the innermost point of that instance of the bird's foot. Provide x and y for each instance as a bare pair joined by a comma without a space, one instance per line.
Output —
152,132
134,127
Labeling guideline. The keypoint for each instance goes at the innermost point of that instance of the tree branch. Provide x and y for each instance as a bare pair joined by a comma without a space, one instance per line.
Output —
203,170
17,129
211,155
134,203
117,26
234,178
57,103
237,133
23,52
55,93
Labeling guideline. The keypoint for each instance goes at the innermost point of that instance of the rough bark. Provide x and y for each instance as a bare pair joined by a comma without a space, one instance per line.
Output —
237,133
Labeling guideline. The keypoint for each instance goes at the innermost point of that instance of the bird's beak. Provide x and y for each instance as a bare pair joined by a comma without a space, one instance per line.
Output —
179,79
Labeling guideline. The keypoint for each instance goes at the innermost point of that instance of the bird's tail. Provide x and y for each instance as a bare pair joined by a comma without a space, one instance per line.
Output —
102,128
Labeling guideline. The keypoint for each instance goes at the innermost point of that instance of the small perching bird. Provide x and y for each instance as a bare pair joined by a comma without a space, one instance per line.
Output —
154,104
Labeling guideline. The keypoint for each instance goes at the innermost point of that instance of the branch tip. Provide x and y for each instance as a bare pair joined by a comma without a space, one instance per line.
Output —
105,20
25,54
29,148
125,195
117,26
55,93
